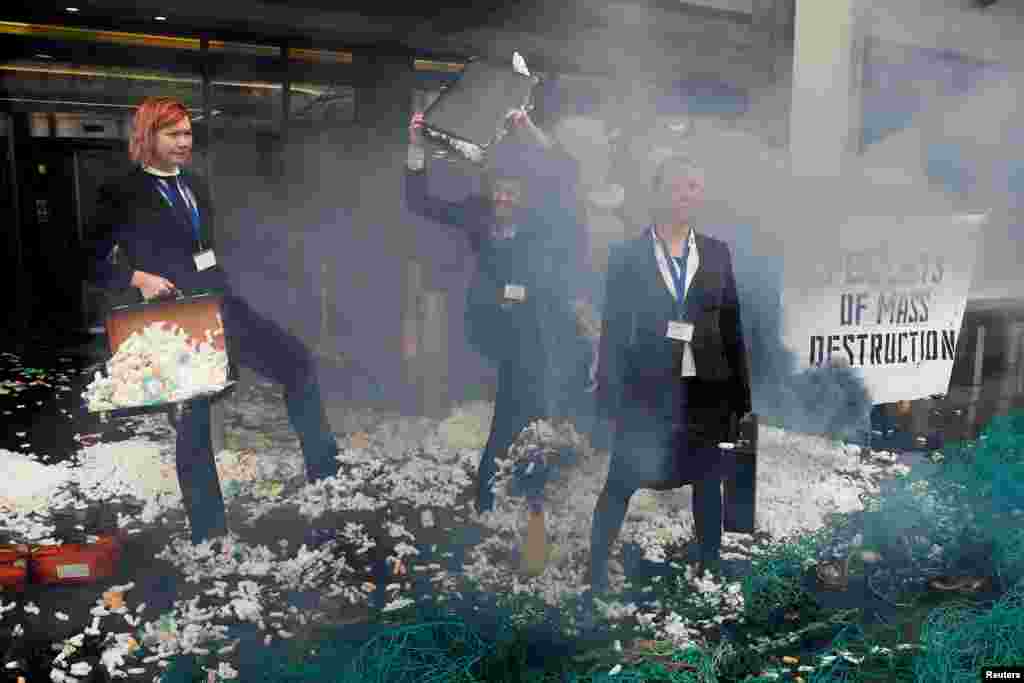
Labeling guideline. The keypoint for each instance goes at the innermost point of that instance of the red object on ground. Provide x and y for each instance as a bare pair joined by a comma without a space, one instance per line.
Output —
14,566
76,563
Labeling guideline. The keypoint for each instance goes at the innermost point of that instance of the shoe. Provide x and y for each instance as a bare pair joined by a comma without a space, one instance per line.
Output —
484,504
217,539
599,586
315,538
709,564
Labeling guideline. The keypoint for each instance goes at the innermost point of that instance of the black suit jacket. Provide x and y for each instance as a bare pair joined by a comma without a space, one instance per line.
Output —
639,366
546,256
150,236
533,343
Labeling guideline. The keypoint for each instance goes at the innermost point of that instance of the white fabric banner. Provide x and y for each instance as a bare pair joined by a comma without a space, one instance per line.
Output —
885,296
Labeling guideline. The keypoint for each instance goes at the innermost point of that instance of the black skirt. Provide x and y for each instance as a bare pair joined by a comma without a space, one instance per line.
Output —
654,449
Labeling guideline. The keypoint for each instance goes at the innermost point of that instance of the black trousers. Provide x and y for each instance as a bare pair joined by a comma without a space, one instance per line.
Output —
519,401
523,396
260,344
661,455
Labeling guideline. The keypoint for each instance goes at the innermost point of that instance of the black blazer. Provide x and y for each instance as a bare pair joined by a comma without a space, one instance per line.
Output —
546,256
639,367
150,236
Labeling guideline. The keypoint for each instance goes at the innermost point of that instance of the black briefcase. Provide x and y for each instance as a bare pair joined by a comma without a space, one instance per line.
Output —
469,116
740,486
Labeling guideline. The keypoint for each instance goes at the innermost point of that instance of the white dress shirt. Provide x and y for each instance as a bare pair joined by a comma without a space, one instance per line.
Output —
689,368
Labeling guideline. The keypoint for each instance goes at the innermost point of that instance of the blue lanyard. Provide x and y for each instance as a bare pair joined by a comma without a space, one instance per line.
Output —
677,270
189,203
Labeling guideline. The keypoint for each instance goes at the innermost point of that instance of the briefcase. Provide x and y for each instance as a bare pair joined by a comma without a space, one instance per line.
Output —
740,485
469,117
199,316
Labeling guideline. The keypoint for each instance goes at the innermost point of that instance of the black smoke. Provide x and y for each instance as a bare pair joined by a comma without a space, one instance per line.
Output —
829,400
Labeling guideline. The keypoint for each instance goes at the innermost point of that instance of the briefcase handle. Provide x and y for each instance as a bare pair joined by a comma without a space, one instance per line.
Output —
734,427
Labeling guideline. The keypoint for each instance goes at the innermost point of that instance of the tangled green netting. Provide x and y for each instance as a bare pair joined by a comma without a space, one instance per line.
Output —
959,641
989,476
427,653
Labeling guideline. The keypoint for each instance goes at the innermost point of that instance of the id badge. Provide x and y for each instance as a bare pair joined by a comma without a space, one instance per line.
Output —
515,292
205,259
680,330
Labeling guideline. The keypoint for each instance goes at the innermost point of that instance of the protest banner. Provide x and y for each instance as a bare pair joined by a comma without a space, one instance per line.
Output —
884,295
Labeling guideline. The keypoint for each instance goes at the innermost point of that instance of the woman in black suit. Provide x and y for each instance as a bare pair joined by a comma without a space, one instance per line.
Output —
673,370
152,237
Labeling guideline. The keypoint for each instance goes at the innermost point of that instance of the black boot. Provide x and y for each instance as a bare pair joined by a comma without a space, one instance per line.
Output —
316,537
309,419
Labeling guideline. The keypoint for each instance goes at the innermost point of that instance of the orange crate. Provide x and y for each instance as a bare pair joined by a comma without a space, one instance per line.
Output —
76,563
14,566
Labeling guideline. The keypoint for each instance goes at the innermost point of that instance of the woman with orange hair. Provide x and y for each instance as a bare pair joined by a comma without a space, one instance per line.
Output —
153,233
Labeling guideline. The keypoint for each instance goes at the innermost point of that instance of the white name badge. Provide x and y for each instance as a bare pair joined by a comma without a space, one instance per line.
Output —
205,259
515,292
680,330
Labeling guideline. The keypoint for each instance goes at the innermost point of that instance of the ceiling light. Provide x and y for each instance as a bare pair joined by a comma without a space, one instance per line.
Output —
160,18
40,55
71,9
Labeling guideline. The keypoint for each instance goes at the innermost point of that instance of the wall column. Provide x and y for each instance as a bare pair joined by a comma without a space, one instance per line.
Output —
827,73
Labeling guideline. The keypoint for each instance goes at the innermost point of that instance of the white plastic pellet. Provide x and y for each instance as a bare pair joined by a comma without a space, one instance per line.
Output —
81,668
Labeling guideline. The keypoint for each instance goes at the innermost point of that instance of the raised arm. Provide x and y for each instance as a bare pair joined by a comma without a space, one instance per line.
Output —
466,215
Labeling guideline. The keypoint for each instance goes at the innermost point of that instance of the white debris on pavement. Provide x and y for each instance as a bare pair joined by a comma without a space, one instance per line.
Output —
398,604
36,487
420,464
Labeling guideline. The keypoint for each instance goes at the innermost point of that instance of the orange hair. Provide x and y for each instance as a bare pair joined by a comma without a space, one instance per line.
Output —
152,115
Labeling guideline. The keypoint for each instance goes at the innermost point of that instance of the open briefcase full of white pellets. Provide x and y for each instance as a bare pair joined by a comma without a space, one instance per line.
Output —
469,116
165,353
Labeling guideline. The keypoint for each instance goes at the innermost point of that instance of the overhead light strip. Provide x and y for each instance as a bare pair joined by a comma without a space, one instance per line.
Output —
302,88
169,42
319,56
74,103
94,36
432,65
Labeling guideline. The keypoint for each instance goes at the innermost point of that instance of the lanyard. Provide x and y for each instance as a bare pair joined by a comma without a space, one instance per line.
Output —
678,276
189,201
